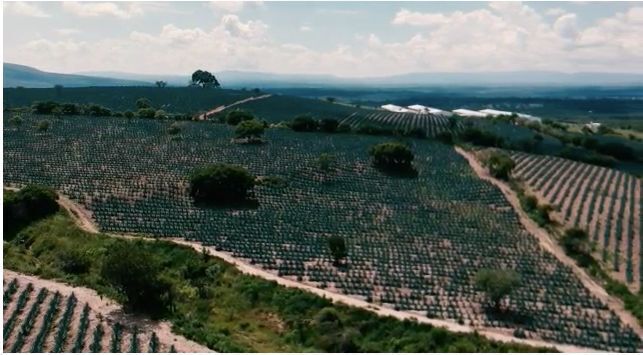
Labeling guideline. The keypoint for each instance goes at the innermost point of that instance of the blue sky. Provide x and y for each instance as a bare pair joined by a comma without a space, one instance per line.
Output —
341,38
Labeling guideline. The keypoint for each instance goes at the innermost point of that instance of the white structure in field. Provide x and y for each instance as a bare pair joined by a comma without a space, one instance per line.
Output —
395,108
495,113
593,126
468,113
425,109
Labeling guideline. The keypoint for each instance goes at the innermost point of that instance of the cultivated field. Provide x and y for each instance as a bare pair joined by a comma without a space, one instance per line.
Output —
431,124
604,202
38,318
413,244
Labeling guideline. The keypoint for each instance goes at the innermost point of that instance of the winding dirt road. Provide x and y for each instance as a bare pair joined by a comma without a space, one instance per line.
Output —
205,116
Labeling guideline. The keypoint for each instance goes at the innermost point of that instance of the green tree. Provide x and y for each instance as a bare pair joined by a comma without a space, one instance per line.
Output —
337,247
135,273
146,112
304,123
392,157
160,84
577,245
234,117
174,129
204,79
497,284
31,203
221,184
250,130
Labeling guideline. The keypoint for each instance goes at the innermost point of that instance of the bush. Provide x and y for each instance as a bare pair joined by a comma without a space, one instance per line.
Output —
392,157
337,247
42,126
174,129
251,130
328,125
31,203
304,123
481,138
128,114
74,261
146,113
234,117
500,165
98,111
576,244
143,103
69,109
221,184
44,108
161,115
134,272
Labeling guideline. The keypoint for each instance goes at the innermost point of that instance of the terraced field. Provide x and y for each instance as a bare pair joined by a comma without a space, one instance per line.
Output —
37,319
413,244
604,202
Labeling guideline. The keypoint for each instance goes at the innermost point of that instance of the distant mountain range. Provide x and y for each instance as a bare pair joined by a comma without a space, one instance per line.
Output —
20,75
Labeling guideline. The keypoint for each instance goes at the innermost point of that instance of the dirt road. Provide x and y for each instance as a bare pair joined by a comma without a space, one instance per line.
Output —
218,109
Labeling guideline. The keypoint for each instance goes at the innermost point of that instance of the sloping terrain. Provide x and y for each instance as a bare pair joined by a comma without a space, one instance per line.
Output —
413,244
604,202
43,316
14,75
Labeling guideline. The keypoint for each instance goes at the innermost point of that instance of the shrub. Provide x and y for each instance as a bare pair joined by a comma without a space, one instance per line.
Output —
326,162
304,123
234,117
500,165
31,203
42,126
174,129
146,113
328,125
74,261
161,115
337,247
128,114
251,130
221,184
576,244
497,284
44,108
481,138
69,109
143,103
135,273
392,157
98,111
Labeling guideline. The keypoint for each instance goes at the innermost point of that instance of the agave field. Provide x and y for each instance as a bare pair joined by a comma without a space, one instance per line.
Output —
431,124
169,99
604,202
414,244
38,320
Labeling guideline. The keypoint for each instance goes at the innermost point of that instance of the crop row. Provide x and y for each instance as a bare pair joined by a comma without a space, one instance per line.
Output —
604,202
413,244
431,124
49,326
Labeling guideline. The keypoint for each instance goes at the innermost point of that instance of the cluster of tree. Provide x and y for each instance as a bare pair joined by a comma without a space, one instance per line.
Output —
480,137
221,184
31,203
499,164
144,110
338,250
582,155
248,128
204,79
393,157
69,109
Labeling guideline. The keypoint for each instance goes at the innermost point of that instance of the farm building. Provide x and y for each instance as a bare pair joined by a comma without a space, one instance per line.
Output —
395,108
468,113
426,109
593,126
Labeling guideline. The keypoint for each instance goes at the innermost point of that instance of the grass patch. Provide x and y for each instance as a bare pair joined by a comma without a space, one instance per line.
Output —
214,304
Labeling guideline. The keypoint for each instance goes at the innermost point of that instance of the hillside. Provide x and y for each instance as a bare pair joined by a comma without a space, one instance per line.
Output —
414,244
15,75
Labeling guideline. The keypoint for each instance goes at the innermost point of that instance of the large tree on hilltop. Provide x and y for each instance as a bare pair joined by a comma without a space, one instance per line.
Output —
204,79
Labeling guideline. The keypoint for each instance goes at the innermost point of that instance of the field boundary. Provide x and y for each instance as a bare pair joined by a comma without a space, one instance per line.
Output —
549,244
83,220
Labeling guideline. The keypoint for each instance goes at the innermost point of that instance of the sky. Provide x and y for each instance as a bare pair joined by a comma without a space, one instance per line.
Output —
350,39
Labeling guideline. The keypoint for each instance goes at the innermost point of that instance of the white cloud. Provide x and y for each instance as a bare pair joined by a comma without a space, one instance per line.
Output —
95,9
67,31
406,17
566,26
24,9
305,29
233,6
555,12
